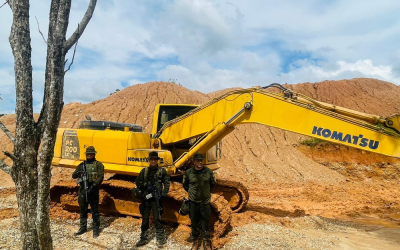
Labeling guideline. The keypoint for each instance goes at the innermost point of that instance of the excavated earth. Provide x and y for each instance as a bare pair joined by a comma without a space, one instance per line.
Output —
302,195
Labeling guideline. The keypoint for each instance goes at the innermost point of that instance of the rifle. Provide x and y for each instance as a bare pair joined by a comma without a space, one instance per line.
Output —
156,194
85,180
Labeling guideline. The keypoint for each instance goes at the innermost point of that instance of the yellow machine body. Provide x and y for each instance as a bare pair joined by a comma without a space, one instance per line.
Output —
121,152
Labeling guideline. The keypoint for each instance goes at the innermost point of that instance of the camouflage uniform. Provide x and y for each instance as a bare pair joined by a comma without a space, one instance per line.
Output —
157,177
199,183
95,170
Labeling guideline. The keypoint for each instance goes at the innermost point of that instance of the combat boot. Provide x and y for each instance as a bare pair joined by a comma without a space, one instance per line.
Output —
81,230
196,244
207,245
142,242
95,233
161,242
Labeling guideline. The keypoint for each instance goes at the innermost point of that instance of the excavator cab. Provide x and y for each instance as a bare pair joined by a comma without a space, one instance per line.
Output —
164,113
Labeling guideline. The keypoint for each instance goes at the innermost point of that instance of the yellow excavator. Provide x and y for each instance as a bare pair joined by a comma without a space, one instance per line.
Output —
181,130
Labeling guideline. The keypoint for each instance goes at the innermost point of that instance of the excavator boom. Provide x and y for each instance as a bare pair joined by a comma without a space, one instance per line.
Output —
217,118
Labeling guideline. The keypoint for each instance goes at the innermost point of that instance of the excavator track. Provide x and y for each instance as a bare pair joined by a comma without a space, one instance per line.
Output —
234,192
116,199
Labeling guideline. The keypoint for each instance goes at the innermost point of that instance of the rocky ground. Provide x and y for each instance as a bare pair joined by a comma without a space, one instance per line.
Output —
280,218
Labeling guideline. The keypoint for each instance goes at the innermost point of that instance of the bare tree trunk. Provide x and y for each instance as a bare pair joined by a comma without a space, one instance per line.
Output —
33,182
43,199
24,170
26,187
51,111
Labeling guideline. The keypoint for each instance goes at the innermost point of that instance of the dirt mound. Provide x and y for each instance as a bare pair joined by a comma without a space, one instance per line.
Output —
362,94
134,104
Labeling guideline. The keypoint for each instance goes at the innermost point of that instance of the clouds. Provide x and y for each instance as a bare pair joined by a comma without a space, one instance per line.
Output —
209,45
195,28
7,90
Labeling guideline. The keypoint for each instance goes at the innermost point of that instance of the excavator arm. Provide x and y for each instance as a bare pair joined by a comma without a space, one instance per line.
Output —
288,110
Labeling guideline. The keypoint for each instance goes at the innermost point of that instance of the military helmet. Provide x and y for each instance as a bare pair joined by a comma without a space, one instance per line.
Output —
198,156
90,150
153,154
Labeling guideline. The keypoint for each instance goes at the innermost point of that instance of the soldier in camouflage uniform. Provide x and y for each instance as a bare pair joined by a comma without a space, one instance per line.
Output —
95,170
198,182
151,179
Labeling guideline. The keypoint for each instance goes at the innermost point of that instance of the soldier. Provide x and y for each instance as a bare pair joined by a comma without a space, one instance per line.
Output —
151,180
198,182
95,175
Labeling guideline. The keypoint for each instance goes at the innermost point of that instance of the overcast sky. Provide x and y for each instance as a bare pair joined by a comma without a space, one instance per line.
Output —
211,45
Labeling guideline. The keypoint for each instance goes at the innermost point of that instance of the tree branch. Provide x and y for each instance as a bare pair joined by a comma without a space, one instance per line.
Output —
13,157
7,132
5,3
78,32
5,167
73,56
58,24
39,30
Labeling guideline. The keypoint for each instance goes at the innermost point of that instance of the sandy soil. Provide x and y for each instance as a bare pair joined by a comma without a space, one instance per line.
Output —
276,218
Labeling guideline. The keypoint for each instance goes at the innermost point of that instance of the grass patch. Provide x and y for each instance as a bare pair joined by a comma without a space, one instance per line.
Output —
312,142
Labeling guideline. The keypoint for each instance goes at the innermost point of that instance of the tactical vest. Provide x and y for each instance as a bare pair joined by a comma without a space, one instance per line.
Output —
158,176
91,169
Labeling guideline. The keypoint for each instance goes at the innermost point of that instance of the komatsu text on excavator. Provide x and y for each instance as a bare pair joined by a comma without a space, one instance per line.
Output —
181,130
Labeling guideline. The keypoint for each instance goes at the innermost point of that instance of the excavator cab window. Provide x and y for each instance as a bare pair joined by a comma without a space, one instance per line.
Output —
164,119
168,113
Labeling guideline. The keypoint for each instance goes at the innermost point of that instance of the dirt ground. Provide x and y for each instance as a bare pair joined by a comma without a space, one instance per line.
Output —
353,214
356,216
320,196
